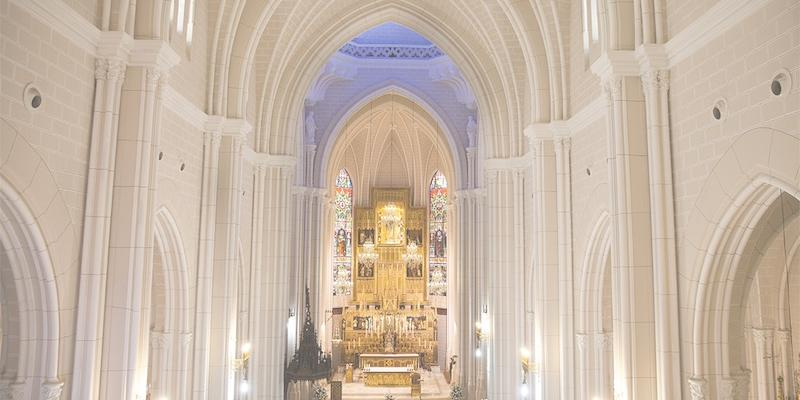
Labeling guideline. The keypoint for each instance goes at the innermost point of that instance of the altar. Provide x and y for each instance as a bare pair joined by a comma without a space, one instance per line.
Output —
388,376
389,360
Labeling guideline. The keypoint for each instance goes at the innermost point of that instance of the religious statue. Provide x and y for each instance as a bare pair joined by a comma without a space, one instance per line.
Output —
472,131
414,236
341,243
366,236
366,270
391,225
311,128
438,242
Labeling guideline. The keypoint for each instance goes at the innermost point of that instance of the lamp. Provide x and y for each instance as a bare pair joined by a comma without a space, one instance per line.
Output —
368,256
242,365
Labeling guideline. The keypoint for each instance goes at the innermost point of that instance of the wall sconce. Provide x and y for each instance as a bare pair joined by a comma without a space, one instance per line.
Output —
242,365
525,360
291,313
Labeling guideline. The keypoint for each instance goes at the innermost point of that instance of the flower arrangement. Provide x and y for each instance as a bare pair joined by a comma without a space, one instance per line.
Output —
456,392
320,393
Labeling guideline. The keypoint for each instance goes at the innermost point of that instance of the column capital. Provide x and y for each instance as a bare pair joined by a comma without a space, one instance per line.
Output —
109,69
465,194
655,79
51,390
698,388
762,337
159,340
580,341
782,336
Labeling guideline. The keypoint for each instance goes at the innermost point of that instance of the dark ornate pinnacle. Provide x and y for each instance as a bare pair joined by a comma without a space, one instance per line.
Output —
309,362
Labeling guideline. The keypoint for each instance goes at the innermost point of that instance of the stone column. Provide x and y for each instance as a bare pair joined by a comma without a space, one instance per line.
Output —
655,80
565,267
159,360
308,255
603,359
546,271
763,360
632,261
123,365
468,287
226,269
583,387
504,235
205,260
271,291
783,360
109,75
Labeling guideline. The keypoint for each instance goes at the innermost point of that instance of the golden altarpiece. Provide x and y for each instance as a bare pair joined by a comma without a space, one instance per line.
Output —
388,322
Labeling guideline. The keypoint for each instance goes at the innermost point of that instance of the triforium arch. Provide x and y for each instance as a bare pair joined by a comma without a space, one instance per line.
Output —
464,33
30,347
742,185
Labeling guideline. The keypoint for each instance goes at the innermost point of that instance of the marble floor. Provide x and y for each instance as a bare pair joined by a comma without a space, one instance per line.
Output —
434,387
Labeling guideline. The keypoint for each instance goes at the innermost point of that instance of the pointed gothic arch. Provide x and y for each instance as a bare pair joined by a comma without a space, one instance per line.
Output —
746,180
30,357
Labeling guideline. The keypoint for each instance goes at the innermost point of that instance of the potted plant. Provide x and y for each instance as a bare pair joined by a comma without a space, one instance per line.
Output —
320,393
456,392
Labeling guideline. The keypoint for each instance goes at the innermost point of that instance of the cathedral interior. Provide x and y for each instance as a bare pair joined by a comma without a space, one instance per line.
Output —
399,199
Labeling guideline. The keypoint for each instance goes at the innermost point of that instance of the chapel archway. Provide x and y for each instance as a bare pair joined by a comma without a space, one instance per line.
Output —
744,184
29,303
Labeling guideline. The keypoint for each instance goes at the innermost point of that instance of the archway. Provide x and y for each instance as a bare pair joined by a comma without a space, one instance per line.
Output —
30,324
594,327
743,185
168,304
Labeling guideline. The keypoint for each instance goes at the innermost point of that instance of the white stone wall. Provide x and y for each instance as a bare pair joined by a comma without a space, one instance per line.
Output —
737,67
44,153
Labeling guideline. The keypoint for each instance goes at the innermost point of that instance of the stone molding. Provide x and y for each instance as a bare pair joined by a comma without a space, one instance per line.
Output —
391,51
448,74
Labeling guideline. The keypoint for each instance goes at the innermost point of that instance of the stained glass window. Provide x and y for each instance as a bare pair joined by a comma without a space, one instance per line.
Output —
437,243
343,235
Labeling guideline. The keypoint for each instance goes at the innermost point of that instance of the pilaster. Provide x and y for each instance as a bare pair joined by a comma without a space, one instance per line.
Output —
505,254
653,62
273,211
469,290
632,262
212,137
546,273
227,266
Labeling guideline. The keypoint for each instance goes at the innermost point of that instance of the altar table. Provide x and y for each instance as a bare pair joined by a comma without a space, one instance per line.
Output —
389,360
388,376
